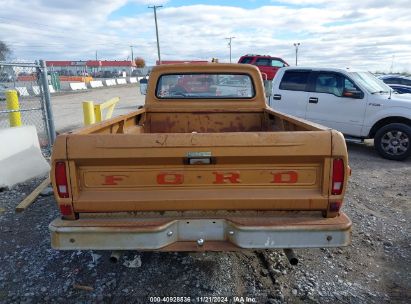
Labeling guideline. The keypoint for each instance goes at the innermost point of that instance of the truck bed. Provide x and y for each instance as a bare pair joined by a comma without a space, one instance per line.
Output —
177,170
142,121
120,166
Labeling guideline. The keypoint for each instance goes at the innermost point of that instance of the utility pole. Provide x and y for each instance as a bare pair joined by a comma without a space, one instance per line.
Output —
229,44
95,69
154,7
296,45
392,64
132,58
132,53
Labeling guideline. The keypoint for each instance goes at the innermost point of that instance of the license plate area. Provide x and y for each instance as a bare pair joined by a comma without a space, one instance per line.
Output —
193,230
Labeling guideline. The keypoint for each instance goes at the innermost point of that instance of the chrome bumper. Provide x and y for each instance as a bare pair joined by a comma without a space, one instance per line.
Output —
199,234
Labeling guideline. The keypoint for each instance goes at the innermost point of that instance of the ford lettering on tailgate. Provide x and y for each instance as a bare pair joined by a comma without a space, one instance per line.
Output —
158,177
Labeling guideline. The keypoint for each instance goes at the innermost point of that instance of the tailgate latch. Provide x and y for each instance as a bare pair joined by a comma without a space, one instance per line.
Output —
199,158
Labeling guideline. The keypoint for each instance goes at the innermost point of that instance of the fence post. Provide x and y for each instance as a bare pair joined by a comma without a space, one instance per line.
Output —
47,102
13,104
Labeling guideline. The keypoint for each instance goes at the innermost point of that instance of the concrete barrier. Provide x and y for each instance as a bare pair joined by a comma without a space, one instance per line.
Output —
121,81
132,80
51,89
22,91
110,82
139,78
96,84
20,158
36,90
76,86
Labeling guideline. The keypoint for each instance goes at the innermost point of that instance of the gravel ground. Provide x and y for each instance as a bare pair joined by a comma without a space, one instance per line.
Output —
374,269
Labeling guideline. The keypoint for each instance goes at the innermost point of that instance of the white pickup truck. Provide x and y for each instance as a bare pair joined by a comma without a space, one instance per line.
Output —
355,103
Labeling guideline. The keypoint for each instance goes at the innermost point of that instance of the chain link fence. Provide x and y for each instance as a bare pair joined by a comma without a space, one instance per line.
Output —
32,87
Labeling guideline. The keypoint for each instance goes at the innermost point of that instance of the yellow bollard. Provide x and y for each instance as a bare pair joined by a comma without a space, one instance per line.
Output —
94,113
109,104
88,113
13,104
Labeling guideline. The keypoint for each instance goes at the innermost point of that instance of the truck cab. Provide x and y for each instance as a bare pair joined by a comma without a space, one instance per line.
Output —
354,102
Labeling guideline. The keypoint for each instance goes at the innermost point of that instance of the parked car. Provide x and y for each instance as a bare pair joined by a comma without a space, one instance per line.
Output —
401,89
192,84
354,102
396,79
109,74
82,73
400,84
267,65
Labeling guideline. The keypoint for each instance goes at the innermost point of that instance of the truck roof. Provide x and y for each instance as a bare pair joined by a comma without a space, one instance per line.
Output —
205,67
329,69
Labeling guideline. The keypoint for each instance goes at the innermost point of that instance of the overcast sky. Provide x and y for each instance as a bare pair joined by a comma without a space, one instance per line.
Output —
366,34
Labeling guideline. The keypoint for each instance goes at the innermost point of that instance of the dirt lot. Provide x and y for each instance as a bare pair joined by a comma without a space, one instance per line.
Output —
374,269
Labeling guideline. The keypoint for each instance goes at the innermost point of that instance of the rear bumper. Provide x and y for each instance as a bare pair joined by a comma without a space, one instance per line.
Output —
185,234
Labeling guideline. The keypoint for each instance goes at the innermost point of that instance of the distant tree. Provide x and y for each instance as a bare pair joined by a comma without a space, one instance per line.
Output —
4,51
140,62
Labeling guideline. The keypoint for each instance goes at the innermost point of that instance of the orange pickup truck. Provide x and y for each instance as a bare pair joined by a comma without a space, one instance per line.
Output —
201,170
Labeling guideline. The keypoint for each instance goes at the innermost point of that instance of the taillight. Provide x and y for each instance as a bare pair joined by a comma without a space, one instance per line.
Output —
66,209
61,180
338,177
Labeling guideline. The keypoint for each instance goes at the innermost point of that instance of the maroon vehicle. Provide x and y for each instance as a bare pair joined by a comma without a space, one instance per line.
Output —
267,65
192,84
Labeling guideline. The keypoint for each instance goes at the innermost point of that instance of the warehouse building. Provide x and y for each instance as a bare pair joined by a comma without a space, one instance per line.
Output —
92,67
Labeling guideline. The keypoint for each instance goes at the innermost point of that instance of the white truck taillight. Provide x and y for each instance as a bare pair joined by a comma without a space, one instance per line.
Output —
338,177
61,179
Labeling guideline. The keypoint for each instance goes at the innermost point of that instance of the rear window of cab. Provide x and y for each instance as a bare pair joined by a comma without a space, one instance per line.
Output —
205,86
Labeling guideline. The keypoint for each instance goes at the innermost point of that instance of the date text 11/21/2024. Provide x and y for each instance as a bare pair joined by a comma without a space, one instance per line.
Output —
203,299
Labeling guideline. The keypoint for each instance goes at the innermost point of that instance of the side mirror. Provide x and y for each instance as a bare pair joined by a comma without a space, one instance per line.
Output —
353,94
143,86
268,88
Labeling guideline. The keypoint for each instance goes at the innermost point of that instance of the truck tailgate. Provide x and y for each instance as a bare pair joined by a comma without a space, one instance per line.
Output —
229,171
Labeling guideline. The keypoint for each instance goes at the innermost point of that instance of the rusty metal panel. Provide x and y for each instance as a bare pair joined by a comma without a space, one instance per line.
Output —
200,199
308,143
205,122
181,234
107,183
